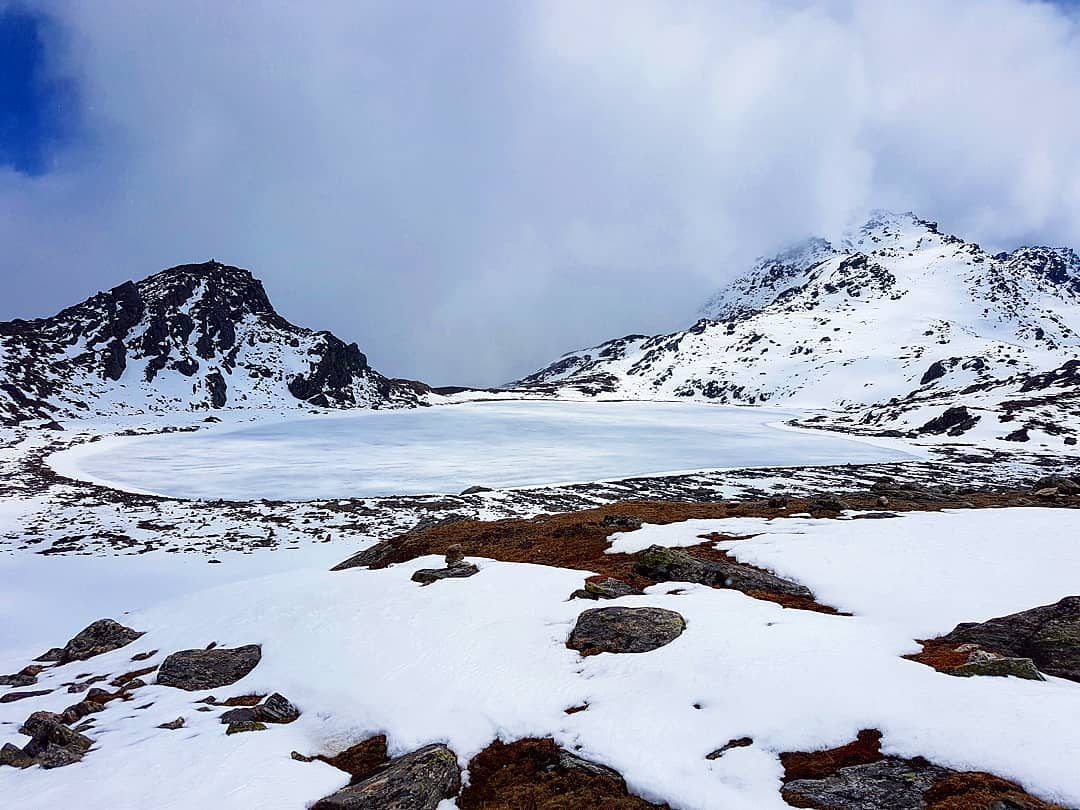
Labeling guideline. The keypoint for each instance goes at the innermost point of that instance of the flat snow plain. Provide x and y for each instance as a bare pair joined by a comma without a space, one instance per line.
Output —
447,448
465,661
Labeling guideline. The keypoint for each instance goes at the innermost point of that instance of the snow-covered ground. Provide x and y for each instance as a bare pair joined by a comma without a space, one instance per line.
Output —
445,449
464,661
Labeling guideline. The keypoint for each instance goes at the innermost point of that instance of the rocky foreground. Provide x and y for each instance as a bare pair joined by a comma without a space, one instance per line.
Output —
649,654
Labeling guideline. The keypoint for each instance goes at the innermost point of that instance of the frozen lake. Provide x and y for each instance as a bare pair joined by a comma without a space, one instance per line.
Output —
445,449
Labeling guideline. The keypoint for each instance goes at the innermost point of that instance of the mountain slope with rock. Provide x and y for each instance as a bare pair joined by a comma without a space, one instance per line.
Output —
195,336
890,326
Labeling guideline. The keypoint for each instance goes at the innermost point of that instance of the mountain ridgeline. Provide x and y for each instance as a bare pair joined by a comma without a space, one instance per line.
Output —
887,328
196,336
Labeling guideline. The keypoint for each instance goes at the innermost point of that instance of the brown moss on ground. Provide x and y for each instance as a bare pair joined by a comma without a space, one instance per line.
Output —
975,790
941,655
526,775
819,764
361,760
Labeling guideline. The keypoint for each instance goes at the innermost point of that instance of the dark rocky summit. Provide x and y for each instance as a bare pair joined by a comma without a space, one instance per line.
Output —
625,630
416,781
192,670
206,330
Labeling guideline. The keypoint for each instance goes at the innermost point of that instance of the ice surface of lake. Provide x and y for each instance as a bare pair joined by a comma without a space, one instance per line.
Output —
447,448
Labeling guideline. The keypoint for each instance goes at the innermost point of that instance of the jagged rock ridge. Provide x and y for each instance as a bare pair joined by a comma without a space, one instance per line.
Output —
891,324
193,336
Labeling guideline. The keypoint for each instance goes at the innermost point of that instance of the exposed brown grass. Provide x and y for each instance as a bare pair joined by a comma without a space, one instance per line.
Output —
361,760
974,790
819,764
525,775
941,655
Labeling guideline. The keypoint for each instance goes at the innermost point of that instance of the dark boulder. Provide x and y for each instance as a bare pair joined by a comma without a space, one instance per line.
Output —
935,372
244,726
475,490
374,555
426,576
275,709
888,784
1048,635
192,670
827,504
55,745
104,635
625,630
675,565
417,781
27,676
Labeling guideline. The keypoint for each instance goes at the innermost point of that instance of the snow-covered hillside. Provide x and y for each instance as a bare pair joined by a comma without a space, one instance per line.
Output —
193,336
896,318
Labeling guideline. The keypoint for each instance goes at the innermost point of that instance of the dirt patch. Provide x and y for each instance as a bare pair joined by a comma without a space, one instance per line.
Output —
941,655
535,774
361,760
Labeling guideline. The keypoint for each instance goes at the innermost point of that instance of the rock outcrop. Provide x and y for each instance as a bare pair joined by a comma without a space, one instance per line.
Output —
192,670
416,781
625,630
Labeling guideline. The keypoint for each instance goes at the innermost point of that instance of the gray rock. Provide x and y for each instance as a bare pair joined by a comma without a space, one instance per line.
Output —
625,630
192,670
374,555
15,757
475,490
624,523
173,725
417,781
426,576
1048,635
104,635
611,588
275,709
675,565
454,554
1065,486
245,726
999,666
27,676
55,745
888,784
36,722
76,712
828,504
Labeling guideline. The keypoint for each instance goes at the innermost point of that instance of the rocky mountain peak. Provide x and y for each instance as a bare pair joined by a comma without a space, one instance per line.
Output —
192,336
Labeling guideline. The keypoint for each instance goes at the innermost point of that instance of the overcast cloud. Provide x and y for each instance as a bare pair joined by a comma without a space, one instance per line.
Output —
468,189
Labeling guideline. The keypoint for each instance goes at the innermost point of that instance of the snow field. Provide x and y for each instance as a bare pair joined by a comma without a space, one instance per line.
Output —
463,661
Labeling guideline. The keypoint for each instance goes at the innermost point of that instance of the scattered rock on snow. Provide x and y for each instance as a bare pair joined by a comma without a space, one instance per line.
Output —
454,554
954,421
675,565
192,670
741,742
625,630
104,635
607,588
244,726
11,697
27,676
173,725
416,781
54,745
276,709
426,576
981,662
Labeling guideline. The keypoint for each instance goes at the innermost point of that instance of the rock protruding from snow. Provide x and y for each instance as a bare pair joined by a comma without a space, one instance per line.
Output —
192,670
625,630
888,784
458,570
1048,635
275,709
416,781
104,635
675,565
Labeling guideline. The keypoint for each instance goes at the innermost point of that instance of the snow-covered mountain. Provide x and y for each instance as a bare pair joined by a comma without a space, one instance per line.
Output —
893,317
190,337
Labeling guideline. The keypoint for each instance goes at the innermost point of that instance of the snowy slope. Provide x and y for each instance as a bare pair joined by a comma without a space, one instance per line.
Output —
894,310
191,337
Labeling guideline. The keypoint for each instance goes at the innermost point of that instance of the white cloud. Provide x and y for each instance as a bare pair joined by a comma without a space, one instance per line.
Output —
469,189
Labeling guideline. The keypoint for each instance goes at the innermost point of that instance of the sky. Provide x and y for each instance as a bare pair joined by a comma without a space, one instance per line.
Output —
470,189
